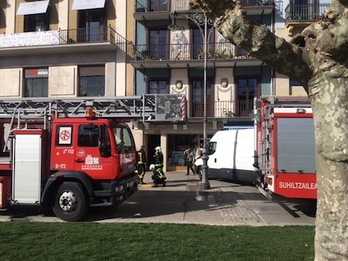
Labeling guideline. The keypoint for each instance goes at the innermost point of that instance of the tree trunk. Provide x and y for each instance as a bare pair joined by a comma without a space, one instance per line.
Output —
330,104
317,58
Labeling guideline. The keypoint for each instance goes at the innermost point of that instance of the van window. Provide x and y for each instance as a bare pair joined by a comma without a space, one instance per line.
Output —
211,147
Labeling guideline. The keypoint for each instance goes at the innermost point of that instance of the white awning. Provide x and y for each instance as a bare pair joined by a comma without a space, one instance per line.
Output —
37,7
87,4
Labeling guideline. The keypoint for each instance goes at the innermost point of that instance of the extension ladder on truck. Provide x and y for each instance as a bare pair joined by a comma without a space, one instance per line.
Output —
149,107
146,108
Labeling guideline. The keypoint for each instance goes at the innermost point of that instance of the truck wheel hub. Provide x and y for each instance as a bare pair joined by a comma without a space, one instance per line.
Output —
67,201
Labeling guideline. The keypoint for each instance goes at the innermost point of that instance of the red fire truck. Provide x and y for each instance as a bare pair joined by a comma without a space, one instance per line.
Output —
72,154
285,147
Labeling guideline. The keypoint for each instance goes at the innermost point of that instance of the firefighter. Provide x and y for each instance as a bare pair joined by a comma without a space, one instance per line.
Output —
157,168
141,164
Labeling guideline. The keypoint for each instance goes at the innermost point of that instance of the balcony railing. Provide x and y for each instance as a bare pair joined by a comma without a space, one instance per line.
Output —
217,50
183,5
309,12
257,2
62,37
222,109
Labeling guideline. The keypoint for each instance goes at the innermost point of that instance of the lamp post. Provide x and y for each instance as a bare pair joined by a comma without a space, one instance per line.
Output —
200,20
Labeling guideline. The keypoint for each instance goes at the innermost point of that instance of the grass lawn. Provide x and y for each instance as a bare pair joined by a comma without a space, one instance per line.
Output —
115,241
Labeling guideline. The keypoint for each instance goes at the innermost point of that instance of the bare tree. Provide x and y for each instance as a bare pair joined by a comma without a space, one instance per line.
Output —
318,59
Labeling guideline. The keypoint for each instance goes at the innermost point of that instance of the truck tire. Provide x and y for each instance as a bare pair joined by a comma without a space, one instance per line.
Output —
71,202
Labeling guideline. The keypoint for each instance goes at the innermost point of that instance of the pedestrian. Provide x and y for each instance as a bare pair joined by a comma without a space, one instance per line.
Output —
141,164
189,158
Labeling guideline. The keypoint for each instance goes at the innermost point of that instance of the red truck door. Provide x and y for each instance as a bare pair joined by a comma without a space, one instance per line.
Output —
76,148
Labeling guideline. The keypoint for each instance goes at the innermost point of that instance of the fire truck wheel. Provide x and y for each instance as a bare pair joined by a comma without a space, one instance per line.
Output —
70,203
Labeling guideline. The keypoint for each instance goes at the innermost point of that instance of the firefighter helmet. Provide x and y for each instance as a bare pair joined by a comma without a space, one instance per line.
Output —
158,149
152,166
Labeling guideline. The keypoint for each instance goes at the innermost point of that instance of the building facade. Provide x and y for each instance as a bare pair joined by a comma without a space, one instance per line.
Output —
291,17
170,57
76,48
62,48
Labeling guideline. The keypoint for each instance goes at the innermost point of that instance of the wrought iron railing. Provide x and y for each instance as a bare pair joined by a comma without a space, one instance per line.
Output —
217,50
89,35
183,5
308,12
257,2
222,109
65,36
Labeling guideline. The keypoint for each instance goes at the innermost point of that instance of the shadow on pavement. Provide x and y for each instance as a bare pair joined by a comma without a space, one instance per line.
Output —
179,199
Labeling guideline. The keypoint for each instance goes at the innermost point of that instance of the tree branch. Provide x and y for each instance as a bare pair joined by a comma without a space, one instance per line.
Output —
258,40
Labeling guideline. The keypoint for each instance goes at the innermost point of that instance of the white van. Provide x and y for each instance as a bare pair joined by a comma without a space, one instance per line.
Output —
231,156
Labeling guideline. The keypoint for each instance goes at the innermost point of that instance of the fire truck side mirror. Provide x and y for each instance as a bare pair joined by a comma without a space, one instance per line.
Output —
104,142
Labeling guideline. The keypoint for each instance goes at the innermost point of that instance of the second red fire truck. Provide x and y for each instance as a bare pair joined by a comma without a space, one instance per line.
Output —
285,147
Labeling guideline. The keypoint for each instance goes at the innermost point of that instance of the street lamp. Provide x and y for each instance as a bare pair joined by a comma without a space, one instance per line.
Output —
201,20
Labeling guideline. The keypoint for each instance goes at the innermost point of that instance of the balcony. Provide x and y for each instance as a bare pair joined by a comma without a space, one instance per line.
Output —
220,54
162,12
223,109
63,41
297,17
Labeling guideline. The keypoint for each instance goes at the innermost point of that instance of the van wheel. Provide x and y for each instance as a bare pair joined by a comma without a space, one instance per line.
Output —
71,202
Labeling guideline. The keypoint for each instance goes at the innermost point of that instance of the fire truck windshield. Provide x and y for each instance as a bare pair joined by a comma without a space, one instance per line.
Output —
123,136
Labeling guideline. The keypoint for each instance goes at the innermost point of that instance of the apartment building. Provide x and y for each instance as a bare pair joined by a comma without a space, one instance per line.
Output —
63,48
291,17
72,48
176,50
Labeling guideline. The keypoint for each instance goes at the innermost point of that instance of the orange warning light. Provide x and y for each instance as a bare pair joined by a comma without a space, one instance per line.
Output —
89,112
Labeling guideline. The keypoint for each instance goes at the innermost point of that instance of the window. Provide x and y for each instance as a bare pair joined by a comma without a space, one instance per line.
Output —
124,138
197,107
88,135
159,5
92,24
197,44
158,44
212,147
299,9
158,87
247,90
36,22
36,82
92,81
294,83
296,88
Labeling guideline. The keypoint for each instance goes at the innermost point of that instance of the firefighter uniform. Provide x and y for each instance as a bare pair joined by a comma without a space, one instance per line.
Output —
158,166
141,164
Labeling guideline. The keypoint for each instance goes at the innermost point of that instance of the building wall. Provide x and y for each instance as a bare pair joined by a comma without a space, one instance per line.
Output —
63,61
130,36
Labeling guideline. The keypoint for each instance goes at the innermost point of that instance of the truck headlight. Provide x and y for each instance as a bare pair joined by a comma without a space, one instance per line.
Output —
119,188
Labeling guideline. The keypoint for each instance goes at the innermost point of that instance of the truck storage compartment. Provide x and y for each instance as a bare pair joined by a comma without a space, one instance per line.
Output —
27,166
